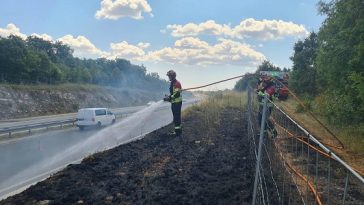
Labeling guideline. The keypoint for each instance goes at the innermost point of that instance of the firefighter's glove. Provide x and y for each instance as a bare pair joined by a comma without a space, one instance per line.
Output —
167,98
276,96
260,93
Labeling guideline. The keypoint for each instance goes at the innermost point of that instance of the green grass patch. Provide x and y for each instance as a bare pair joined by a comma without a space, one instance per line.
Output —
352,137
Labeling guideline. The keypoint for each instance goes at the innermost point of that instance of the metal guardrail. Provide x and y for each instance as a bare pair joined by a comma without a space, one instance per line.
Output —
30,127
61,123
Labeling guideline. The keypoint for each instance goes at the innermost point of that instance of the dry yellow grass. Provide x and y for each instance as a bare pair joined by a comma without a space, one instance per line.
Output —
213,104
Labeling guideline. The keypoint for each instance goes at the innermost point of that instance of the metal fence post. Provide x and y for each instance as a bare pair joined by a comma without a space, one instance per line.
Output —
316,168
346,186
329,181
262,128
307,168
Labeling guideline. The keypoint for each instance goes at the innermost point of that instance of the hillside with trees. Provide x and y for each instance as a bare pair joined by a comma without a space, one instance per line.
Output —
37,61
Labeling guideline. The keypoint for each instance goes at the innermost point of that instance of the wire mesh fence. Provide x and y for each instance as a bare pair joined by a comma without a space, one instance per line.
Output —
295,168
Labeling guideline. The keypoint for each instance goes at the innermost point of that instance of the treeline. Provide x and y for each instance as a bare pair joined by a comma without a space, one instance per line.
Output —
251,79
37,61
328,66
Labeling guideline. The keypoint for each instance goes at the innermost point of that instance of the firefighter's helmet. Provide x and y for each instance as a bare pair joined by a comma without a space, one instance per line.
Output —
171,73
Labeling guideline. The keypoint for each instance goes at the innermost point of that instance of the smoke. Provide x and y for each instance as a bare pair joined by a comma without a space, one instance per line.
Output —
128,129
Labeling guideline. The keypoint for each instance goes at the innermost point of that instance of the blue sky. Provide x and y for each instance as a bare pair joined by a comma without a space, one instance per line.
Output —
204,41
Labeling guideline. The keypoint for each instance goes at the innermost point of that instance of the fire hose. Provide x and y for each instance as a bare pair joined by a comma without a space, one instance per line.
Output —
294,96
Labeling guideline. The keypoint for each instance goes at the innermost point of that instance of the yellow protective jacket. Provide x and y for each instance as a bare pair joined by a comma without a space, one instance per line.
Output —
175,91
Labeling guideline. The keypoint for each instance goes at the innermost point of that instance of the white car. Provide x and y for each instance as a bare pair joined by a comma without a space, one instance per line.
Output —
94,117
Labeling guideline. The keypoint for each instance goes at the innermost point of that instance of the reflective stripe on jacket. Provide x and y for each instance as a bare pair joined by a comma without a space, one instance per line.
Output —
175,90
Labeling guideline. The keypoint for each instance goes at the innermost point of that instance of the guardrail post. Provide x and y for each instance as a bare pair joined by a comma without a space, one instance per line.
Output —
261,134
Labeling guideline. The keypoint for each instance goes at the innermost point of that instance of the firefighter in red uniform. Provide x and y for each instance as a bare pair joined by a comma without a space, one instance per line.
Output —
175,98
267,88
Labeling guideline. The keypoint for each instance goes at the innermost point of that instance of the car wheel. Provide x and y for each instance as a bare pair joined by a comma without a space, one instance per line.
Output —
99,124
113,121
81,128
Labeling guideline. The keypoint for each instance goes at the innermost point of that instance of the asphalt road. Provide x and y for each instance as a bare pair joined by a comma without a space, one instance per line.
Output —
50,118
27,160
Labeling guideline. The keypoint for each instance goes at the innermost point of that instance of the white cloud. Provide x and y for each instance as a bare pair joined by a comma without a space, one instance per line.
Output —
82,46
251,28
193,51
116,9
268,29
126,50
188,50
43,36
191,29
143,45
191,43
11,29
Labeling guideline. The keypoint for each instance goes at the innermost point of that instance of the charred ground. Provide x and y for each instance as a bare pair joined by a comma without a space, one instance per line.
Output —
210,164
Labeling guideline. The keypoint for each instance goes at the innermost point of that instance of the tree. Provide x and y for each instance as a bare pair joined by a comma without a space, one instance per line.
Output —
40,45
13,55
341,41
36,60
267,66
303,75
245,81
251,79
340,59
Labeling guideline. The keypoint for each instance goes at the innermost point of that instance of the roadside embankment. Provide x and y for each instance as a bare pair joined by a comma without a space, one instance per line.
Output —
210,164
18,101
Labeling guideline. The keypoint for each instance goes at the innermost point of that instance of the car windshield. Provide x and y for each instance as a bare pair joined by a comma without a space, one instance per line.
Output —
100,112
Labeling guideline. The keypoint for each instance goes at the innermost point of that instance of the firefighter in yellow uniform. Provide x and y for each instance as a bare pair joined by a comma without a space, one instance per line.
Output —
175,97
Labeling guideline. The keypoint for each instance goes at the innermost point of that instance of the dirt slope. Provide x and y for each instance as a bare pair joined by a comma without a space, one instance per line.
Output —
28,101
201,168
